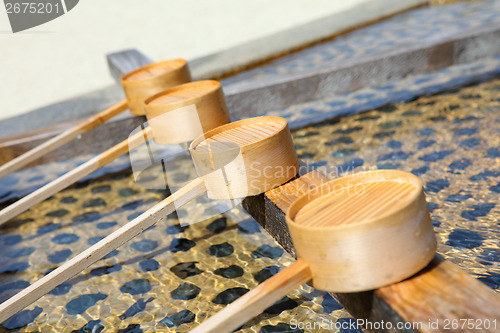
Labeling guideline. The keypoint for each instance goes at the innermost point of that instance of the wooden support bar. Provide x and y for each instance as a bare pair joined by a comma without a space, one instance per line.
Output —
439,292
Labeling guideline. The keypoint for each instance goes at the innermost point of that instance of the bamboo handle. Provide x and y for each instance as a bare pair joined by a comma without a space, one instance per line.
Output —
61,139
71,177
256,300
100,249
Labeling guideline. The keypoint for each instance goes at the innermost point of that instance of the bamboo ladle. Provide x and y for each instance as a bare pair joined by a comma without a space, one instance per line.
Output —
208,98
137,85
352,234
235,160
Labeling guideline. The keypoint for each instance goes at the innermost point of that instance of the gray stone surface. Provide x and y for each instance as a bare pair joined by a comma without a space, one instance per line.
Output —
122,62
241,55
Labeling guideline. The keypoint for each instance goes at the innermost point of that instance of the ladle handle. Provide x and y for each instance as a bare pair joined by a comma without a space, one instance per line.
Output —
61,139
257,300
73,176
91,255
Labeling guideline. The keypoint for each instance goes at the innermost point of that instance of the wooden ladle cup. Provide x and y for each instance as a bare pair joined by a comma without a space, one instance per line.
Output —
148,80
245,158
354,233
183,113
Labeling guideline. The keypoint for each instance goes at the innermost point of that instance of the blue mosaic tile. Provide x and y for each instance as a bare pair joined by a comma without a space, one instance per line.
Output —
478,211
185,291
149,265
144,245
179,318
23,318
65,238
229,295
136,308
267,251
136,287
80,304
59,256
464,239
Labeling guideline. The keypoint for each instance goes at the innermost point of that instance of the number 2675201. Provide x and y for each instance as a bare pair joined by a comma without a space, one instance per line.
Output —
32,7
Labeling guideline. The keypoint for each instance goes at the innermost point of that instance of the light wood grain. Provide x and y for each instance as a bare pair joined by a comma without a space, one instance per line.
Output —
255,155
355,204
73,176
253,302
100,249
61,139
363,231
151,79
169,108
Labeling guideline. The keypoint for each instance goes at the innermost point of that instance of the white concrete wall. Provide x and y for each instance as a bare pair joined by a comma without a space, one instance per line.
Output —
66,57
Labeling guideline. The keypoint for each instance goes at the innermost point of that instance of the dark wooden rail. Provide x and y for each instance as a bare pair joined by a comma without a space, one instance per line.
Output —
441,293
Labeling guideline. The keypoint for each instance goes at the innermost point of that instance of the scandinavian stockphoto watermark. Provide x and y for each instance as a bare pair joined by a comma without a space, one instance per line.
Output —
347,324
26,14
433,325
